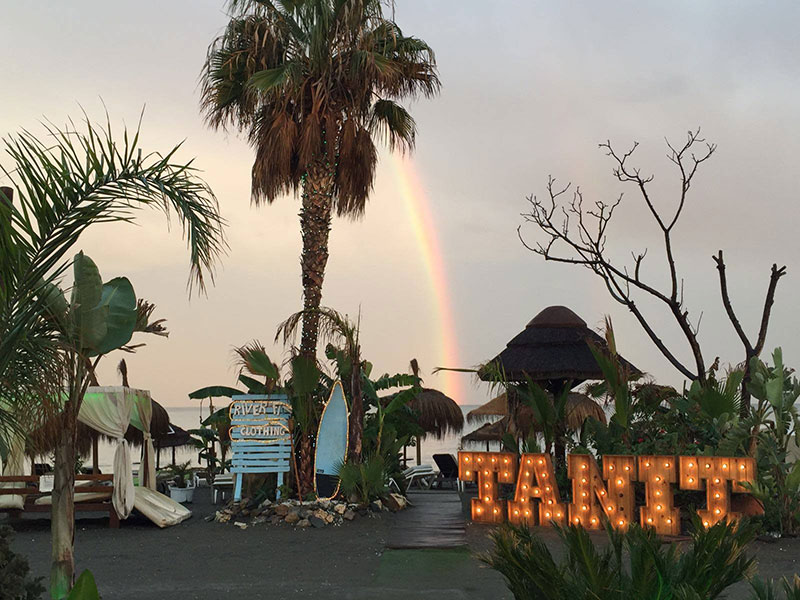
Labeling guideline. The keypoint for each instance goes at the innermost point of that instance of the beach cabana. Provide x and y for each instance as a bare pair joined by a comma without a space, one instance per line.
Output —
110,411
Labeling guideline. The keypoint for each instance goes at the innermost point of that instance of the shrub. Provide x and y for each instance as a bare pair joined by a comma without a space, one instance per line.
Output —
634,564
365,480
15,580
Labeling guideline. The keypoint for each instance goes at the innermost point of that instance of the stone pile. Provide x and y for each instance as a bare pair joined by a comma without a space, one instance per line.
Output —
316,513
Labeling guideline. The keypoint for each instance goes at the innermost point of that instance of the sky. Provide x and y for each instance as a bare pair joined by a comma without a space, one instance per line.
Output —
438,273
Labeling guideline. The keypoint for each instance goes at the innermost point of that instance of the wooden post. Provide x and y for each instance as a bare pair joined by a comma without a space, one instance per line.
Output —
419,450
95,454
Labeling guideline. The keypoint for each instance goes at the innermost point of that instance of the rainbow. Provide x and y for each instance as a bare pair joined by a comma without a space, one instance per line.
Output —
422,222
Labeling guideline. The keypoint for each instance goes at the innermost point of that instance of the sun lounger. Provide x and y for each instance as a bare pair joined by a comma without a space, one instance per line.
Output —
422,475
93,493
222,483
160,509
448,470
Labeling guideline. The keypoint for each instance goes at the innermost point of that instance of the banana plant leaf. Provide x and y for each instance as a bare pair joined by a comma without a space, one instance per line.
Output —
215,391
253,385
119,297
87,291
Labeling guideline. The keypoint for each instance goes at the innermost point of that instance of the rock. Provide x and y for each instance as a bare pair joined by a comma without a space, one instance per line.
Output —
210,518
328,517
349,515
245,512
325,504
304,513
292,517
266,503
320,514
275,519
316,521
376,506
240,525
395,502
222,517
258,521
282,510
304,523
340,507
353,498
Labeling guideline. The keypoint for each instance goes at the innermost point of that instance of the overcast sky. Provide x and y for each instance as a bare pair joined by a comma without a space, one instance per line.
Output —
529,89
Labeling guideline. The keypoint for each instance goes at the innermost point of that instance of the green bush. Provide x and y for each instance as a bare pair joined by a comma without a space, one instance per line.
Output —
15,580
366,480
633,565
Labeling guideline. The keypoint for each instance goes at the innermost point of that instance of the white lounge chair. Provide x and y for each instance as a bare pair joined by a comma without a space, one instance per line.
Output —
222,483
422,475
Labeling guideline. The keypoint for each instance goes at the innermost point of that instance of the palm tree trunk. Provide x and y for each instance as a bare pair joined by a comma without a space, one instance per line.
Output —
305,466
62,571
356,415
315,226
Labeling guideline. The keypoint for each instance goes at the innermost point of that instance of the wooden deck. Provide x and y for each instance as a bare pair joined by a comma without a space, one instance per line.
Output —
435,520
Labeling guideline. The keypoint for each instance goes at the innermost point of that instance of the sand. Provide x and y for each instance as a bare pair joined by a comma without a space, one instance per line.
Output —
206,560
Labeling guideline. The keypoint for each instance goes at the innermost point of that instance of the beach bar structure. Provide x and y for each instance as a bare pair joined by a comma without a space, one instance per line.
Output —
554,350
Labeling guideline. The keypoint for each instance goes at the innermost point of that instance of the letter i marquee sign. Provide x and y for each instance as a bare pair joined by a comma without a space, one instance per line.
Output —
597,493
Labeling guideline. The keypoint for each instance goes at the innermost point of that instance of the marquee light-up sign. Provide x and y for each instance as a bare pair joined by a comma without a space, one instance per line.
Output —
608,493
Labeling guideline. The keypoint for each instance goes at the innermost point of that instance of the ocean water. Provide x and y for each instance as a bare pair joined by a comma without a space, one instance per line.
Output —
189,417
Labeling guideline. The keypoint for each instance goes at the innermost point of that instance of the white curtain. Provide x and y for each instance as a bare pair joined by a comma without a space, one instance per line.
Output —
107,410
15,465
147,470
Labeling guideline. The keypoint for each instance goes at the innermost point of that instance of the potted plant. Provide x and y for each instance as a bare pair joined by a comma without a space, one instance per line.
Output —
182,485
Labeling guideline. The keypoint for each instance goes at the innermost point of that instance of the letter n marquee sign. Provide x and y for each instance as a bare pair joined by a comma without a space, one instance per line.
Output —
606,493
260,437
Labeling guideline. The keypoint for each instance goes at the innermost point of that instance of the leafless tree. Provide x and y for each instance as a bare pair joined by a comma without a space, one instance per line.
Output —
577,235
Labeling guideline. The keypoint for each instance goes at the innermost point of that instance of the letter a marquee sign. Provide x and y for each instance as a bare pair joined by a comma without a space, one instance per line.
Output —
597,493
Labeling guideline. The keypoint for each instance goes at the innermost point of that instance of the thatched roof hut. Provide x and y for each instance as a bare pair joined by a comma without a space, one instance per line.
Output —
553,348
438,414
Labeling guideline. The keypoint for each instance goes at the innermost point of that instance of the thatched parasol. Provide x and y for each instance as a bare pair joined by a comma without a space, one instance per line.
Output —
579,407
437,414
174,438
159,426
553,348
488,432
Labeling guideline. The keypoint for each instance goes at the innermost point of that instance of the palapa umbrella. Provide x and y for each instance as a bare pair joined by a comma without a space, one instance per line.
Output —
488,432
437,414
579,407
174,438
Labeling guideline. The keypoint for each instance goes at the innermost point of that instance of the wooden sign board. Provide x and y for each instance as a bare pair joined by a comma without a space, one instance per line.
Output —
260,437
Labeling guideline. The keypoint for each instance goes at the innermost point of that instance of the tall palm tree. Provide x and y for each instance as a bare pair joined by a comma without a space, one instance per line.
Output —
76,178
314,84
